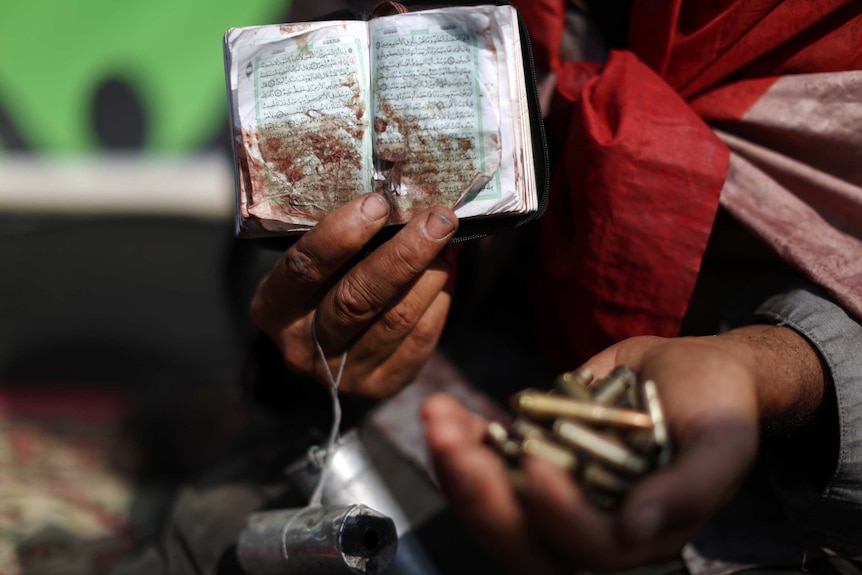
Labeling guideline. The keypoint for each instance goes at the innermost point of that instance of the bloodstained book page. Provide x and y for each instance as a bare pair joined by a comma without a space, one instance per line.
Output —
436,106
301,121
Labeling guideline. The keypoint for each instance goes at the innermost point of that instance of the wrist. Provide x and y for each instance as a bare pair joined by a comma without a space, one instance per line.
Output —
791,384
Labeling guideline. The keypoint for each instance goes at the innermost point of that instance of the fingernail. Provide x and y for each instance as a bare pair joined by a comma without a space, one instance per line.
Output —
646,523
438,226
374,207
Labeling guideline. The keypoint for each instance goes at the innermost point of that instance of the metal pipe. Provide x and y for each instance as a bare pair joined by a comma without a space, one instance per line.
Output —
333,540
353,478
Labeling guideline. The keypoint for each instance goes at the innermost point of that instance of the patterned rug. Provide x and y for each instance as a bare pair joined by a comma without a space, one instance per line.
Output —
64,501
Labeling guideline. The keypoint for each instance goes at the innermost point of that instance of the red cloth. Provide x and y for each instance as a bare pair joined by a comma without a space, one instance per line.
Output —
636,168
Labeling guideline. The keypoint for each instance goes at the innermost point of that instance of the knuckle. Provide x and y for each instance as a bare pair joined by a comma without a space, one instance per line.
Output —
424,335
300,266
353,300
400,319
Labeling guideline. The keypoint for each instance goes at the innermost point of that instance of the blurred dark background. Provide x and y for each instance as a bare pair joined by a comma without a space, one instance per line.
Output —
123,292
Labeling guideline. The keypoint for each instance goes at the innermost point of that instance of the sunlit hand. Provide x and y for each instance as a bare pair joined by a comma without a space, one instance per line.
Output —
386,309
714,390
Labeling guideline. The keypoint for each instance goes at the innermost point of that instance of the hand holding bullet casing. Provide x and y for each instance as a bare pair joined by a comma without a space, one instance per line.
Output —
607,432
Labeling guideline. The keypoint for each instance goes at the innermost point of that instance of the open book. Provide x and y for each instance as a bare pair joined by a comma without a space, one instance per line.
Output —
427,107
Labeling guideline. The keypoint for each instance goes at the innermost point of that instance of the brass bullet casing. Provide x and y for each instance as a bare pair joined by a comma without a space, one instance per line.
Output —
641,440
497,436
609,390
659,427
634,399
543,406
525,429
603,447
574,384
595,475
556,454
531,439
496,432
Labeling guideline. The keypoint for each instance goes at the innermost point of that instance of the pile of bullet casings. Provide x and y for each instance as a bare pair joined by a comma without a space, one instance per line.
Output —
607,432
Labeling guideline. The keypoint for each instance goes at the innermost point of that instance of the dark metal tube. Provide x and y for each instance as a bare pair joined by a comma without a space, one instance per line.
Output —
352,477
343,539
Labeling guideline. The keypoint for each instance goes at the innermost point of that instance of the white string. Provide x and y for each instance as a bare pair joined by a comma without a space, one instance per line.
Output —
317,495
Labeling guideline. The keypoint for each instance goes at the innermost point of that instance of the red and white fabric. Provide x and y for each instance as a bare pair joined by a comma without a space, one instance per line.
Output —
752,105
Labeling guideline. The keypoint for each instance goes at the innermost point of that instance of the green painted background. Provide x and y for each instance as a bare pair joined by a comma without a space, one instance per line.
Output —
54,54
